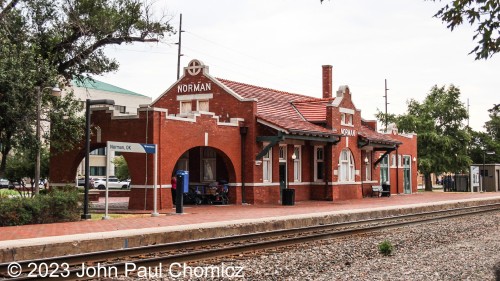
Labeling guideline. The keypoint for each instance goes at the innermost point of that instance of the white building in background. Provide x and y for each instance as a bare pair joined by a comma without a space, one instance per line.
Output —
126,103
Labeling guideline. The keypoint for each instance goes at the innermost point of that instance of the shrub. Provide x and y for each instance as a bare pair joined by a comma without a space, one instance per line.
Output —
385,248
54,206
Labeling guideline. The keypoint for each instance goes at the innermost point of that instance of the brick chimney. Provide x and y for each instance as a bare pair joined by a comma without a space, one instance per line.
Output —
327,81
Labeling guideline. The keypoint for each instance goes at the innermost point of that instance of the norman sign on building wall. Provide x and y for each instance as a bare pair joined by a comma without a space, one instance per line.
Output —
194,88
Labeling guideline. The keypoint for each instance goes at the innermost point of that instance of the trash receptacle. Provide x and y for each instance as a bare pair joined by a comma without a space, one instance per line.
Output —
386,190
288,197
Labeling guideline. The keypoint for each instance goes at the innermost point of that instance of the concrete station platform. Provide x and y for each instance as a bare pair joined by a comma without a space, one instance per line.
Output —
198,222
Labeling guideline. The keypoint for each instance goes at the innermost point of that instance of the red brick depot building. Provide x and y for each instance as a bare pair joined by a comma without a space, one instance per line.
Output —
257,139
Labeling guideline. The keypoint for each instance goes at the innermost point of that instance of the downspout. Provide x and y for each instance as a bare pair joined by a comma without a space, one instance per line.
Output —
243,133
397,169
328,168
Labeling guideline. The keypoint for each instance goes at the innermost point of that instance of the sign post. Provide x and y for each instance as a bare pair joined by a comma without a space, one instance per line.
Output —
133,148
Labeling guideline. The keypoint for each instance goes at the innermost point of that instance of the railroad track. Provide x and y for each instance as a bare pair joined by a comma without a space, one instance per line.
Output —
123,260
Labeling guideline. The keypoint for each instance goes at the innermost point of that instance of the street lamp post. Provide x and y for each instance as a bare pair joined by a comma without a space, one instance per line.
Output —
484,171
88,103
55,92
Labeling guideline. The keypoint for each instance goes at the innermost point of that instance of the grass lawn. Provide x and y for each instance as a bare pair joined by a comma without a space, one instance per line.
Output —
7,192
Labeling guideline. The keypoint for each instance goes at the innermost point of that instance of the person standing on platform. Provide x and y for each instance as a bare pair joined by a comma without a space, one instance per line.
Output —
173,182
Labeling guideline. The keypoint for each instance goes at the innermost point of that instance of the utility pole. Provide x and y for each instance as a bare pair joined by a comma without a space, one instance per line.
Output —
179,55
468,116
386,103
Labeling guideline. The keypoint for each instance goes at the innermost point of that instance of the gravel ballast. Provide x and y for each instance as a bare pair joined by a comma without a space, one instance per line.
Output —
466,248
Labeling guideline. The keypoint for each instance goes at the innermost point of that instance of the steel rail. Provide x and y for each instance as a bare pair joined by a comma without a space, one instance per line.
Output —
212,253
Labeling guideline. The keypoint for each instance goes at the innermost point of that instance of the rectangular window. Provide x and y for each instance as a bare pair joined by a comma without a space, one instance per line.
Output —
283,153
183,162
368,168
319,163
99,151
267,166
120,108
393,160
97,171
346,119
384,170
297,164
208,164
186,107
203,105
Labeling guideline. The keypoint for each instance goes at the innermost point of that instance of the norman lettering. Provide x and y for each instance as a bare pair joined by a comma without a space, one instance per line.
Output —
348,132
194,88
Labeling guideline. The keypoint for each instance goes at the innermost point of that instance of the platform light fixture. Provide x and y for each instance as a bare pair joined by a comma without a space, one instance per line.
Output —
88,103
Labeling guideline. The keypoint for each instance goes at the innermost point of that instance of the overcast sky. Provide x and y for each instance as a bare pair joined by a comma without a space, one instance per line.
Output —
283,44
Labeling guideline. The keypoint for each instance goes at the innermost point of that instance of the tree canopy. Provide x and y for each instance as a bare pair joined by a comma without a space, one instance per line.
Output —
442,136
484,15
46,42
487,141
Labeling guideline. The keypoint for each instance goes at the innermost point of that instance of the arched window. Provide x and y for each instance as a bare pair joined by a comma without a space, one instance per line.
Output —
346,166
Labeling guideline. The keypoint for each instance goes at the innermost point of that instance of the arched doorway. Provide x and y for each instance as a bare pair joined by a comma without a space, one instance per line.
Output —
211,174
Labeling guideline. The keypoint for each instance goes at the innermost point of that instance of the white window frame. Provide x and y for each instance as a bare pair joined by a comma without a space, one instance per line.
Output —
347,170
282,153
211,161
385,165
393,160
368,167
267,165
198,105
318,160
346,119
297,164
182,111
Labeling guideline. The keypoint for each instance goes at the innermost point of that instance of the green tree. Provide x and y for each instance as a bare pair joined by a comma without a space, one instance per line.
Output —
493,125
487,141
121,168
442,136
484,15
43,42
21,166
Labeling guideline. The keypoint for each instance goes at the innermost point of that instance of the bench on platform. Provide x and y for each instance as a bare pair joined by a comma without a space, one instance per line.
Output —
376,189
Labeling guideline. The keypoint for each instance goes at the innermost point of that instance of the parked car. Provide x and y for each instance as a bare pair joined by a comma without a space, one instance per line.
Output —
15,185
112,183
4,183
81,182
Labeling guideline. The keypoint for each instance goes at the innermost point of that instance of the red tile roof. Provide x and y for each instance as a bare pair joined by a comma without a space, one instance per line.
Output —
294,112
313,110
376,137
276,107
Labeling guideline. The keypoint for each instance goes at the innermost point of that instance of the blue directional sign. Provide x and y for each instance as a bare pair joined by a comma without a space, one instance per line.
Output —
132,147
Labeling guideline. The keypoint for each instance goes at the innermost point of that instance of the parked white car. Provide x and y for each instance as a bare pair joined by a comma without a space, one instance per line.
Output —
112,183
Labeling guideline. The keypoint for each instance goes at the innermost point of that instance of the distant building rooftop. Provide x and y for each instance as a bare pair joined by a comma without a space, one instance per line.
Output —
101,86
